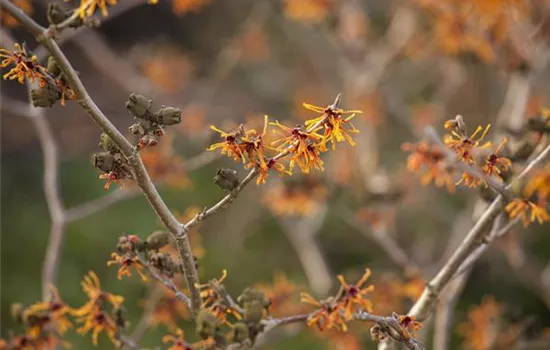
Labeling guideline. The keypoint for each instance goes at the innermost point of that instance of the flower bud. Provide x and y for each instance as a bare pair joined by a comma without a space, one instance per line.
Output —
107,144
104,161
139,106
129,243
168,116
158,239
226,179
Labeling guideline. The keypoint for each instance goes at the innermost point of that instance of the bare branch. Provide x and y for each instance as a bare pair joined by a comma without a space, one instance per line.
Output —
141,176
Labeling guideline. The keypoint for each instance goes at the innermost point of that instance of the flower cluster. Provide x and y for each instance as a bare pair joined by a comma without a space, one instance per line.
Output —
45,323
216,300
93,315
336,311
301,145
52,83
26,66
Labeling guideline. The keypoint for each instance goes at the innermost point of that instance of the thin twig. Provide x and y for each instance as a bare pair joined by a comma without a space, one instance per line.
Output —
474,238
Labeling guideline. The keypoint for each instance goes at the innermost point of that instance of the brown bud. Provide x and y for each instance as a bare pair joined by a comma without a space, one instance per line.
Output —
107,144
139,106
45,96
239,333
226,179
104,161
168,116
255,304
207,324
158,239
377,334
119,316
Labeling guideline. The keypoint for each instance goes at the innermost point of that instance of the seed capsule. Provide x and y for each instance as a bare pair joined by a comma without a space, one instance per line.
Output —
139,106
45,96
226,179
168,116
104,161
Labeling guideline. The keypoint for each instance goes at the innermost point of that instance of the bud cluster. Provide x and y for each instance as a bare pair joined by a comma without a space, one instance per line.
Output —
54,87
112,162
149,125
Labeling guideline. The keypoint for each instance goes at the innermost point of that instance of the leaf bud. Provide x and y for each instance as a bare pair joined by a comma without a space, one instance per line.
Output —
226,179
139,106
168,116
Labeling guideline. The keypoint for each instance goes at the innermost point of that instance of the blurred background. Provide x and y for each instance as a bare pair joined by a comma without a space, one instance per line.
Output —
406,64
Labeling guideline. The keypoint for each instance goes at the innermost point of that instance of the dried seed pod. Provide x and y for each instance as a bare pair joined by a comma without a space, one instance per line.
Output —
226,179
377,334
140,107
207,324
239,333
107,144
119,316
52,67
158,239
137,129
45,96
104,161
168,116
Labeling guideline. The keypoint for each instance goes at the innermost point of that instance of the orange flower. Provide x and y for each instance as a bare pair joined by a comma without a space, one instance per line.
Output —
53,313
479,329
333,123
126,261
352,296
527,211
494,164
25,66
214,299
464,145
307,10
111,178
8,20
177,340
328,315
539,184
425,156
469,180
87,8
92,287
409,325
92,314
